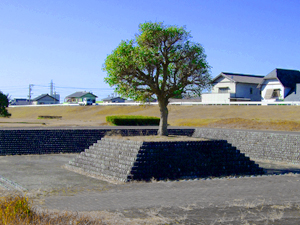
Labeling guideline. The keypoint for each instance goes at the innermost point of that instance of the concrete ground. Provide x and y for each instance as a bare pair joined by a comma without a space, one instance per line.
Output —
272,199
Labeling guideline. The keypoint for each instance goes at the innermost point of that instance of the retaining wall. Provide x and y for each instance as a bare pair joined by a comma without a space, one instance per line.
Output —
274,146
47,141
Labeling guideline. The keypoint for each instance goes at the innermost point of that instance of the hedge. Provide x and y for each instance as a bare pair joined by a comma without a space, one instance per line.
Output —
133,120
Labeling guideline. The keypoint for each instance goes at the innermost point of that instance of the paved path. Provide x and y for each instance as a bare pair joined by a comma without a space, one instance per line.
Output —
44,176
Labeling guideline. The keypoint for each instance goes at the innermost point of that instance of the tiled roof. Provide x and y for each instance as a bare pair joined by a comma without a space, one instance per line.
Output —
79,94
242,78
42,96
288,78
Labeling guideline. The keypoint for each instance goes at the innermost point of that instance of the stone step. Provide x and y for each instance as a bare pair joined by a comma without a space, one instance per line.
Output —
114,171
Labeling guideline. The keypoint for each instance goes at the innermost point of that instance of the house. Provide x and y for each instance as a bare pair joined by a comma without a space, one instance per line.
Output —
280,84
44,99
81,96
19,101
229,87
113,99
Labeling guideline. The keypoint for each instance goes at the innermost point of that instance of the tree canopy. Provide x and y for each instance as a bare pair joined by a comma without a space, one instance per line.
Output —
3,105
161,61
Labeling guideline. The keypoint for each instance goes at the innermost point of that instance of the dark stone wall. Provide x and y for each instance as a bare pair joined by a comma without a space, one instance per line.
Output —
48,141
274,146
192,159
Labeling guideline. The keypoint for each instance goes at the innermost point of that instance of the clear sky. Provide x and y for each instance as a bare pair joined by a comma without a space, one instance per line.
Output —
67,41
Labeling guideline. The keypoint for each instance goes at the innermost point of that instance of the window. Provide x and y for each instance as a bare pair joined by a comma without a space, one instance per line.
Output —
276,93
223,90
272,93
251,91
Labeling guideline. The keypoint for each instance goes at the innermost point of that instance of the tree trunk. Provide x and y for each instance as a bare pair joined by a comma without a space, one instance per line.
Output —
163,124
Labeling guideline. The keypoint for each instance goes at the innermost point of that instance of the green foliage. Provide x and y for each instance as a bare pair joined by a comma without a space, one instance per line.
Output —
3,105
161,61
133,120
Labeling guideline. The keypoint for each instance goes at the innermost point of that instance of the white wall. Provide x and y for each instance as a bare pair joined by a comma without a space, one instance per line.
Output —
223,82
215,97
272,84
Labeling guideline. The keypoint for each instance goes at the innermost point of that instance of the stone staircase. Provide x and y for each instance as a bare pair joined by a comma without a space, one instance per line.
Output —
108,159
118,160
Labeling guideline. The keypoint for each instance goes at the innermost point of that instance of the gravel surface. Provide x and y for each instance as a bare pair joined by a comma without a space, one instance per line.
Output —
54,187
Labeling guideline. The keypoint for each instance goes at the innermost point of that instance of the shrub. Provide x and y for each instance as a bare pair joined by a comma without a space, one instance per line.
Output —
16,210
4,105
133,120
13,209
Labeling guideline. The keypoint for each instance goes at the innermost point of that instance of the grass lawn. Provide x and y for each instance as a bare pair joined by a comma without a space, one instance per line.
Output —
240,117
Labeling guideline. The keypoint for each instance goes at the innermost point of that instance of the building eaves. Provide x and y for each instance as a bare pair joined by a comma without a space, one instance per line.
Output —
288,78
42,96
241,78
111,98
79,94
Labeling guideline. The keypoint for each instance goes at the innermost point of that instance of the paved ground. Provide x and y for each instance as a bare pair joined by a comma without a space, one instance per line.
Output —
273,198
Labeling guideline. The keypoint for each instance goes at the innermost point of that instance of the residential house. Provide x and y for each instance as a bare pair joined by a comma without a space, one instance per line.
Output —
113,99
280,84
81,96
19,101
228,87
44,99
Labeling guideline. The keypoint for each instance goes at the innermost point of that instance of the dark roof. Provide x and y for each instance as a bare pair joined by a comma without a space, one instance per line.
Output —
79,94
42,96
111,98
294,94
288,78
241,78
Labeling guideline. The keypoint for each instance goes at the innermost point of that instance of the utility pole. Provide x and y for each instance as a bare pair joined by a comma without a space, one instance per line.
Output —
30,90
51,88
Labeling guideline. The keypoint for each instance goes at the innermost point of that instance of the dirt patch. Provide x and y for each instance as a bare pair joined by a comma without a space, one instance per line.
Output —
252,124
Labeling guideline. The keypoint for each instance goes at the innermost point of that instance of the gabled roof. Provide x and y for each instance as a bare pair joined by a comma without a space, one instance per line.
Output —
288,78
79,94
42,96
240,78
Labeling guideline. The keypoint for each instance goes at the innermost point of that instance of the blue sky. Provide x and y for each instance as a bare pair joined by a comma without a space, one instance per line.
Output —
67,41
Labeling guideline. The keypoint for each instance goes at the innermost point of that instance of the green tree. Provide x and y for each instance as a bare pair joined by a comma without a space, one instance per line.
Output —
3,105
161,61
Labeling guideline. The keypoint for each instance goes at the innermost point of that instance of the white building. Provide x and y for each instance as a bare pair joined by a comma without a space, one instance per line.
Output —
280,84
228,87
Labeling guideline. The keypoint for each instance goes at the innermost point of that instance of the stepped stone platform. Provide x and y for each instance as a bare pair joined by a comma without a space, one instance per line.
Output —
122,160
